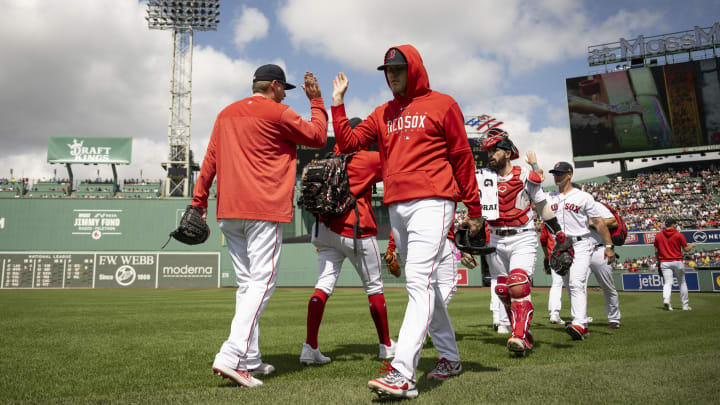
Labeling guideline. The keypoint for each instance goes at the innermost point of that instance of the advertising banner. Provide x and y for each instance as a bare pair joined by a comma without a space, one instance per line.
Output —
105,150
716,281
654,282
696,236
109,270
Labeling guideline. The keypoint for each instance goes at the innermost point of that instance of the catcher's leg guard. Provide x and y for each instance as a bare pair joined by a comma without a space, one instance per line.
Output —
502,291
521,308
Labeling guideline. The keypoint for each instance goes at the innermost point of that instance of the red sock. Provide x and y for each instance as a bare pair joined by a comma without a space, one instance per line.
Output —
378,311
316,307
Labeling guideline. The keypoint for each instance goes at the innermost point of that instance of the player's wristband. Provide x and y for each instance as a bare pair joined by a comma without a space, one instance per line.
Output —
553,225
535,167
609,246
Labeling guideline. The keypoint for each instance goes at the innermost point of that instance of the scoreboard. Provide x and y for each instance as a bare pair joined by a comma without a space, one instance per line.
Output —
109,270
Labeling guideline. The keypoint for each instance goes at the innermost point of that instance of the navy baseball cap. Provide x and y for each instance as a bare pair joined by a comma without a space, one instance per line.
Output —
393,57
561,168
271,72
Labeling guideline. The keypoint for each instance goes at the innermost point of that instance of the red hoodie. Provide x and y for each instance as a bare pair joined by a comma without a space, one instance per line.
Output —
363,171
670,244
424,149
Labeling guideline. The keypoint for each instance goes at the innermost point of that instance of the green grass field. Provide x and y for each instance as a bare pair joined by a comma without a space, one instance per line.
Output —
157,346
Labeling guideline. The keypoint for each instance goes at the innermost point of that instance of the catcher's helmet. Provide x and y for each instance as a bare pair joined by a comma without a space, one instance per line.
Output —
495,137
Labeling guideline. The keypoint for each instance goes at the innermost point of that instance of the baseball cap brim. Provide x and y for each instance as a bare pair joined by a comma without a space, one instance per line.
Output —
382,67
559,171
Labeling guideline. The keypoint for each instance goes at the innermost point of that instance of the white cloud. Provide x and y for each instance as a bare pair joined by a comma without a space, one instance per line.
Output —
251,25
94,73
471,46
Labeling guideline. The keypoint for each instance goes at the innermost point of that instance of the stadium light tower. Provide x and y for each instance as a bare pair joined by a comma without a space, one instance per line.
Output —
182,17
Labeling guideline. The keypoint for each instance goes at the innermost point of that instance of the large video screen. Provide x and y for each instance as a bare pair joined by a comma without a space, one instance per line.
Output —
664,109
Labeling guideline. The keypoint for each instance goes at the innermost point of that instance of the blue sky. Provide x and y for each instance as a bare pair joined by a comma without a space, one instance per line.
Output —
92,67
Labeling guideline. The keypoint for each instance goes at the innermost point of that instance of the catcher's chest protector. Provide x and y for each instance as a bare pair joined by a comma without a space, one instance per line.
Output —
325,187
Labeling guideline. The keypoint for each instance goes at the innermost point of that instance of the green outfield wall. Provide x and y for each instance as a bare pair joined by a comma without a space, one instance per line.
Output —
86,243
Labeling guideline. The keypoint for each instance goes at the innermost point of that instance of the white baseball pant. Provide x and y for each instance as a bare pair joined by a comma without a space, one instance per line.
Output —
255,252
578,279
496,307
603,274
441,329
420,228
677,267
511,252
555,294
333,248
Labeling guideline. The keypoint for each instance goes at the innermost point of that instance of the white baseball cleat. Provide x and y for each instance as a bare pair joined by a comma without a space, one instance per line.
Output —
387,352
394,384
445,369
555,318
687,308
667,306
262,369
503,329
312,356
239,377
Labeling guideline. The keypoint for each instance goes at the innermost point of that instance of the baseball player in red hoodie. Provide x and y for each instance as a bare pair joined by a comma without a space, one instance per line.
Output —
669,248
333,238
427,167
252,151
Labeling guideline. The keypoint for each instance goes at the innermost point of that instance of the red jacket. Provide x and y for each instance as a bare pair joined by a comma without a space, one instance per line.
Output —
363,171
670,243
423,146
252,151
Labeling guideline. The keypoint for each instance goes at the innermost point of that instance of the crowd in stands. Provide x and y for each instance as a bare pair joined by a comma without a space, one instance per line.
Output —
689,195
142,182
97,181
695,259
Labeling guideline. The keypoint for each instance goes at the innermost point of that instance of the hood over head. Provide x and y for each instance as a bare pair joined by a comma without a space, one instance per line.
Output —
418,82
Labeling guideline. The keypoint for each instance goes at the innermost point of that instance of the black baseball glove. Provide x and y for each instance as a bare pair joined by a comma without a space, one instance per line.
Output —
476,245
193,229
562,255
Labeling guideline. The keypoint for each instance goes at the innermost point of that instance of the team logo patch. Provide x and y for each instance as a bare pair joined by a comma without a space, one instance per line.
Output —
390,55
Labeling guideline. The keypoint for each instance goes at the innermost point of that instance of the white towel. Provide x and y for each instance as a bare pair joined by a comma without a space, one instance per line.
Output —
487,181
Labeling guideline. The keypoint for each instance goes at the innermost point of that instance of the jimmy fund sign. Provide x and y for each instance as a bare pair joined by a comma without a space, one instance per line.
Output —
108,150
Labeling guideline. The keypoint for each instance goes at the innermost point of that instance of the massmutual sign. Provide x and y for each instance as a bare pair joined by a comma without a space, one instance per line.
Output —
697,39
106,150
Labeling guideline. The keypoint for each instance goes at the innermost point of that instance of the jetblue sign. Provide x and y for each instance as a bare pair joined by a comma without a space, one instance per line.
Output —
653,282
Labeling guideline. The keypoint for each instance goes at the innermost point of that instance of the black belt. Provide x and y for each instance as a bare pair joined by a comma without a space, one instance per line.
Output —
576,238
510,232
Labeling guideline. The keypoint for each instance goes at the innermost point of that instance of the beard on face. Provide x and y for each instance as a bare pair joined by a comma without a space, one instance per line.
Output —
497,164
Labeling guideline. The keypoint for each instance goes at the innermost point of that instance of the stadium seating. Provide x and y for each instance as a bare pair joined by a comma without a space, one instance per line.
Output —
141,190
646,198
11,188
94,190
48,189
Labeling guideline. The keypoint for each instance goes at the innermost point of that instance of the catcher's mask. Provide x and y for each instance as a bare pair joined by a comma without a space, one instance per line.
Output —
501,142
495,137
